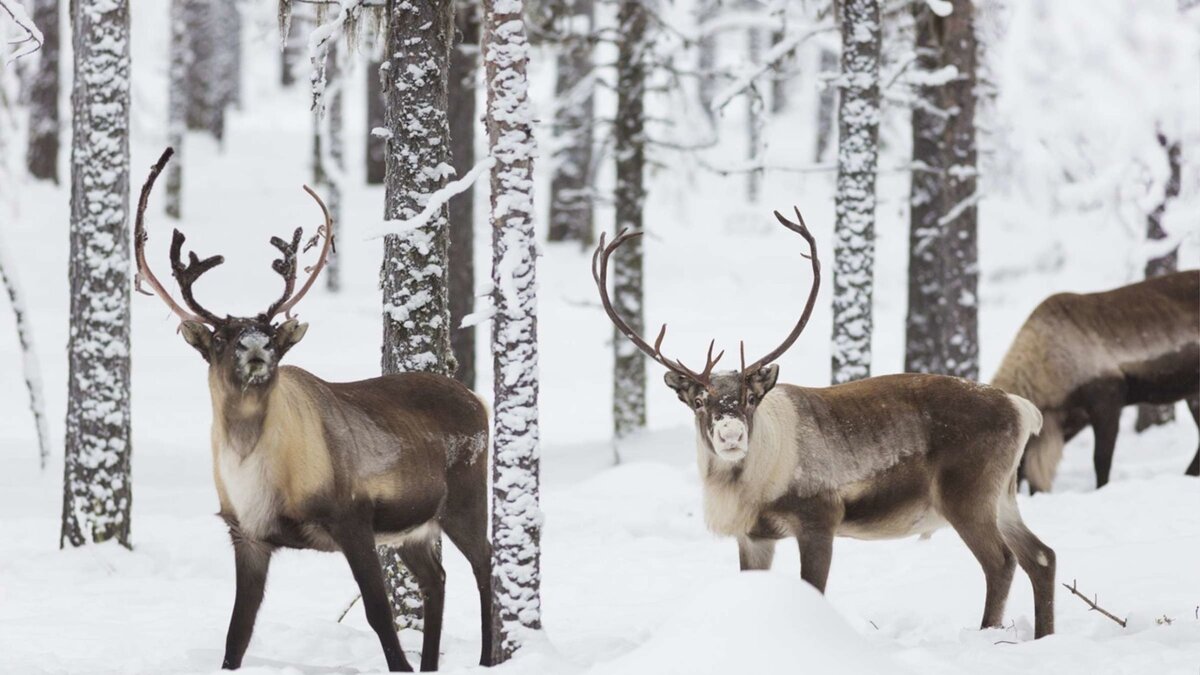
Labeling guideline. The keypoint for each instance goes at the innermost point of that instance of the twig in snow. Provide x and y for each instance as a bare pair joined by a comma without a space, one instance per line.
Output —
347,610
1164,620
1093,604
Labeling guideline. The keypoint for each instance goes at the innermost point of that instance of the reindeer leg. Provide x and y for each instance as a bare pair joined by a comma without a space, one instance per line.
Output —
252,559
1104,412
357,541
421,558
755,554
816,555
1194,406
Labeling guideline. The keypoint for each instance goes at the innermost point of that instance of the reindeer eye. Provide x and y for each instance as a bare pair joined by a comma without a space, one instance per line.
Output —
751,399
698,403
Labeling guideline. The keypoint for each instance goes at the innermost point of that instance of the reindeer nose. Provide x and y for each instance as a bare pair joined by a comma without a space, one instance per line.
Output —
731,433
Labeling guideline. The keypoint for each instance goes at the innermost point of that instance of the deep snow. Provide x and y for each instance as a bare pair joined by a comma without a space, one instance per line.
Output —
632,581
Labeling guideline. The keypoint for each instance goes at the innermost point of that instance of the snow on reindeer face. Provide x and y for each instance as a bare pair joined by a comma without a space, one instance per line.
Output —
246,352
725,408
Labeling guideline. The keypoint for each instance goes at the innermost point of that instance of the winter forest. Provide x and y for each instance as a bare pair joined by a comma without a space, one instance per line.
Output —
334,336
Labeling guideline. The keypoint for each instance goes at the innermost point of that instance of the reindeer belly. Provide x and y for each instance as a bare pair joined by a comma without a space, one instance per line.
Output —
895,503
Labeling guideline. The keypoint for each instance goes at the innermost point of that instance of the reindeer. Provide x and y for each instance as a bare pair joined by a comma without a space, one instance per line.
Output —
879,458
308,464
1081,358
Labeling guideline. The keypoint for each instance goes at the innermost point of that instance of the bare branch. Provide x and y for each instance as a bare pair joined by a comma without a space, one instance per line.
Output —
1094,605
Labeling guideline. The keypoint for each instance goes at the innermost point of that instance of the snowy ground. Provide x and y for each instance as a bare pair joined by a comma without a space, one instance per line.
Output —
632,581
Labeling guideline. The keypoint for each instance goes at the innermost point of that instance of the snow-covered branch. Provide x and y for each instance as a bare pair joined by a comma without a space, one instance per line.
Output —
435,202
780,51
33,37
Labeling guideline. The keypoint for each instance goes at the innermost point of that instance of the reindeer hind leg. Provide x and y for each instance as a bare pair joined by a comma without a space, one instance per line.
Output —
1036,559
466,522
1193,403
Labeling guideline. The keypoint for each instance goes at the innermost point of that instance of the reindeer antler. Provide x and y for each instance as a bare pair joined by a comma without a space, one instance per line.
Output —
600,275
799,228
186,275
287,265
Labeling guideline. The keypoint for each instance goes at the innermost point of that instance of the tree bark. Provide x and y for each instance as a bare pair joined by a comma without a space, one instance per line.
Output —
629,147
854,230
826,104
516,516
206,91
177,103
754,117
571,185
414,276
464,63
327,130
376,147
706,61
942,327
96,481
30,367
41,154
1153,415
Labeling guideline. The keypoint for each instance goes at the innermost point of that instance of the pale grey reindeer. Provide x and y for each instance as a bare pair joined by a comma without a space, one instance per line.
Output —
879,458
332,466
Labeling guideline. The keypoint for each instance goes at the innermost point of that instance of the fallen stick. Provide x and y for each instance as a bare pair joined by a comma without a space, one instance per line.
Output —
1093,604
347,610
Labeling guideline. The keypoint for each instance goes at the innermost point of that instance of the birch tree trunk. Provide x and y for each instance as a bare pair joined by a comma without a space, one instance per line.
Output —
376,147
1153,415
854,231
516,516
414,275
629,147
41,153
30,367
571,186
180,55
942,327
96,482
327,131
464,65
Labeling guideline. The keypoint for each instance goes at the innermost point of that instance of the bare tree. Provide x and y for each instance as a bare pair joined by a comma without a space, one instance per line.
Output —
41,153
629,147
464,62
180,55
376,147
942,323
516,517
854,232
96,485
1152,415
328,164
414,276
571,185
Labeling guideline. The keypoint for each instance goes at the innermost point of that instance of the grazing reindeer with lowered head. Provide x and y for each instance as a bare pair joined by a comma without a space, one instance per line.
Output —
1081,358
304,463
878,458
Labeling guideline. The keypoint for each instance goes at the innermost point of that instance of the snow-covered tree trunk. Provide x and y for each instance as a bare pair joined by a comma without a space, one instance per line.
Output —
464,67
376,146
706,58
29,362
754,117
826,104
1152,415
571,186
516,516
96,485
942,327
779,83
41,153
414,276
206,91
629,147
180,55
858,151
327,130
233,43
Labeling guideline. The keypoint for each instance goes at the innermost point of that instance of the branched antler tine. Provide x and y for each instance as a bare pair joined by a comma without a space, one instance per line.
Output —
662,333
286,306
742,349
801,229
285,266
186,275
141,236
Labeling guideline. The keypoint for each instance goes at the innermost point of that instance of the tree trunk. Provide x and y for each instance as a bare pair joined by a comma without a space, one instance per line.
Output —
754,118
854,230
327,130
206,91
706,61
376,147
516,516
1152,415
30,367
96,481
233,42
826,104
629,147
943,322
177,103
780,81
414,276
571,186
295,48
464,62
41,154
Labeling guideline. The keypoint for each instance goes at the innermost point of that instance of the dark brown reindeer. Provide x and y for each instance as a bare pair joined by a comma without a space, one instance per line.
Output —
1081,358
304,463
878,458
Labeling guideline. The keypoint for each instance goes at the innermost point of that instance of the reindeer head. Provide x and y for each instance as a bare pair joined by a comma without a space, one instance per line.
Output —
725,402
242,351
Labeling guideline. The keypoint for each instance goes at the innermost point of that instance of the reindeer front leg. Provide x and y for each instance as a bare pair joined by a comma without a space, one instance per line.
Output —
252,559
816,555
755,554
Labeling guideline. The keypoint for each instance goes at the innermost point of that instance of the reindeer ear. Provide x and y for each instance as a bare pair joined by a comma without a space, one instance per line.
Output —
684,387
197,335
288,334
763,380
